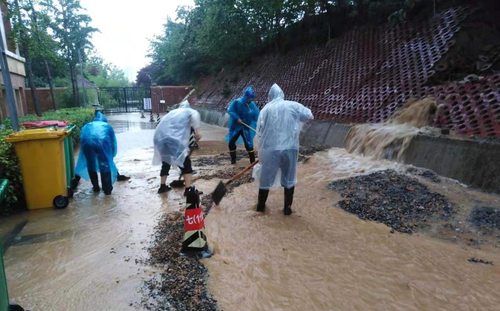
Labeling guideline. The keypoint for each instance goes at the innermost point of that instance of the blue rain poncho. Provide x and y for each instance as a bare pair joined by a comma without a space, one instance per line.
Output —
171,139
248,113
98,147
278,130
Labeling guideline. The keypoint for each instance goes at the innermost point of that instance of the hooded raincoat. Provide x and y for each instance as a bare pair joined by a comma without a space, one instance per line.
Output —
98,147
248,115
278,129
171,139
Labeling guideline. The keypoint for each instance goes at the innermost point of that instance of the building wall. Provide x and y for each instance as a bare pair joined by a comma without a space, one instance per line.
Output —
44,98
171,94
16,68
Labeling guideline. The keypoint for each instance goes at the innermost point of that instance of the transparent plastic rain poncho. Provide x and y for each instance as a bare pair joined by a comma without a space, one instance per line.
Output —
98,147
248,115
171,138
278,130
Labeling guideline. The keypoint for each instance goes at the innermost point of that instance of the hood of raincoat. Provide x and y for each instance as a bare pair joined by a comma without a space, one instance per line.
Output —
249,94
171,139
100,117
185,104
275,93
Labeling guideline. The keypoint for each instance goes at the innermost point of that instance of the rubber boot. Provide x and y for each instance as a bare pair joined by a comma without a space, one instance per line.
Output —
95,181
288,201
251,154
261,205
107,185
75,181
233,156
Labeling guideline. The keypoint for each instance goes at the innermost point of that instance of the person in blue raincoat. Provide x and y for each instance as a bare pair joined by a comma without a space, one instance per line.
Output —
98,148
243,113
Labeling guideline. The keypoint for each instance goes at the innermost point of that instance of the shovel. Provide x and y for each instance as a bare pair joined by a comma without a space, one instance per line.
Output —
221,189
300,155
177,183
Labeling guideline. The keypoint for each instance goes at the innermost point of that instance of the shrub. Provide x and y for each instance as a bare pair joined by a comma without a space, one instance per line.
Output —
9,165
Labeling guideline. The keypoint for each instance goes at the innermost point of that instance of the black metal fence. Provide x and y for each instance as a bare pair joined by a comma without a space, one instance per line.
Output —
125,99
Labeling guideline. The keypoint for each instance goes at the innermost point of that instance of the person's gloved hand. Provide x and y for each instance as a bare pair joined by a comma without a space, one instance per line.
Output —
240,122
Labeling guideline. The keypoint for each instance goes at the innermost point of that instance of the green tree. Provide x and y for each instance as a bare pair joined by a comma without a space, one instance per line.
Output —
105,74
73,31
44,47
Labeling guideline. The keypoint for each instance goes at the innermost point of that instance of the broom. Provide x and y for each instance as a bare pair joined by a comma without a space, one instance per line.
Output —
221,189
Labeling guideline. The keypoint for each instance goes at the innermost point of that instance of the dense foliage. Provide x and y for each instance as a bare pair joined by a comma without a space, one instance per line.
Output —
9,166
218,33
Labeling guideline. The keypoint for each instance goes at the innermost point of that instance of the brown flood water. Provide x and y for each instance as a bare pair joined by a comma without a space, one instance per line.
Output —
83,257
322,258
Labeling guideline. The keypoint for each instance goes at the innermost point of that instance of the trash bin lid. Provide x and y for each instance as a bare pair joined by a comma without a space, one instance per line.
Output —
37,134
41,124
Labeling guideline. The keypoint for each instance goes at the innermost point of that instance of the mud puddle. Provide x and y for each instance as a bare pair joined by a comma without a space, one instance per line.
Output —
324,258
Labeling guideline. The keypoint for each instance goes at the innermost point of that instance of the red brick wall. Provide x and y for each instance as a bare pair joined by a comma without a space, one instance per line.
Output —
171,94
44,97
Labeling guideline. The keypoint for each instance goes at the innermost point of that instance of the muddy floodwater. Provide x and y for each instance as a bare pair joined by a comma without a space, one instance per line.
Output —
84,257
319,258
322,258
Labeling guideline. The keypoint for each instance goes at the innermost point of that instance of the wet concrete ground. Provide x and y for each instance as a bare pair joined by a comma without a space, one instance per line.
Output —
83,257
320,258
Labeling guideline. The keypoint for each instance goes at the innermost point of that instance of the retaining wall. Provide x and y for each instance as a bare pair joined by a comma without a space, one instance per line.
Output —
473,163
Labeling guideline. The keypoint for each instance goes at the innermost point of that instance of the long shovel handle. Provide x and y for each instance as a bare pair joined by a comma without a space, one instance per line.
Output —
249,127
242,172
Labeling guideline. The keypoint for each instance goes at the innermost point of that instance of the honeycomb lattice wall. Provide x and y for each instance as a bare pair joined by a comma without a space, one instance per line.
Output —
366,75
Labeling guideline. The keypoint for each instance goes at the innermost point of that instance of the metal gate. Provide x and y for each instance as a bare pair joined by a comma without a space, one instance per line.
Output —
125,99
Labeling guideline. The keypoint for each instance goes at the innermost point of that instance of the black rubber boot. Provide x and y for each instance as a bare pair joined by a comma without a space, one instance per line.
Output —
75,181
233,156
261,205
164,188
251,154
288,201
122,178
95,181
107,185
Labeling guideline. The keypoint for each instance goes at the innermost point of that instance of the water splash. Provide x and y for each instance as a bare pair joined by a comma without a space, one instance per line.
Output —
390,139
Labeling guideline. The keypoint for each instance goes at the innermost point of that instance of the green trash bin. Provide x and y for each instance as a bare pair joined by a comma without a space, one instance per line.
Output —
4,294
69,154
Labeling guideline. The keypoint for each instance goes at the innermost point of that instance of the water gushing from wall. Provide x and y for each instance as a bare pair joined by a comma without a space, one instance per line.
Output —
390,139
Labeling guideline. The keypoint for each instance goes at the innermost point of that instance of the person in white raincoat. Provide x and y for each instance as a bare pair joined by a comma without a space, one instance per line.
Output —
278,130
171,142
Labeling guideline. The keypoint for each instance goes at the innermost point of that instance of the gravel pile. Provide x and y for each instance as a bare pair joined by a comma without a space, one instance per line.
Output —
427,174
485,218
220,159
396,200
309,151
224,175
182,283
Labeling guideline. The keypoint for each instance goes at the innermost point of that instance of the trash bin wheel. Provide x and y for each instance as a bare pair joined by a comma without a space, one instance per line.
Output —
60,202
14,307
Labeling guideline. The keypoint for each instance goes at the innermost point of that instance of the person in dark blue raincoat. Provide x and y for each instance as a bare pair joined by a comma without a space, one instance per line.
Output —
98,148
243,113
